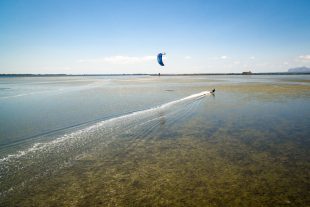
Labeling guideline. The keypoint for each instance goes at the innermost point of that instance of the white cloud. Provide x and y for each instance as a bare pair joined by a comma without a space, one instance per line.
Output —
188,57
223,57
252,57
236,62
119,59
304,58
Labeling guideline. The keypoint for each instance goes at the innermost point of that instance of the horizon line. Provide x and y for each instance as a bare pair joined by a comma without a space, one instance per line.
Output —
147,74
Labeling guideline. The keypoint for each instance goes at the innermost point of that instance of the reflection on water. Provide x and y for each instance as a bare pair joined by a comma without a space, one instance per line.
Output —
248,145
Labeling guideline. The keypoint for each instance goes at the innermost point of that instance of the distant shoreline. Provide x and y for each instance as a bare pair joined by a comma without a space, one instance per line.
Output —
140,74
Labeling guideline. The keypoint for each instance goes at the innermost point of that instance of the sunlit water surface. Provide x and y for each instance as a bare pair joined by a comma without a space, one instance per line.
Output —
155,141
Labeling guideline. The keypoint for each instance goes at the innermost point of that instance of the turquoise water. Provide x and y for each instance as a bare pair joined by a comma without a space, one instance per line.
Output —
136,141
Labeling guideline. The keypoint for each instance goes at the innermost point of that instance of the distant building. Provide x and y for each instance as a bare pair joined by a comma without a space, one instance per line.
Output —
247,73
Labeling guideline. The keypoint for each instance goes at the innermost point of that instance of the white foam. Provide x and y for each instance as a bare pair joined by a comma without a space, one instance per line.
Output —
42,146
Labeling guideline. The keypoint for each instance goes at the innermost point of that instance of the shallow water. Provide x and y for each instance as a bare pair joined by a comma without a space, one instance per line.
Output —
135,141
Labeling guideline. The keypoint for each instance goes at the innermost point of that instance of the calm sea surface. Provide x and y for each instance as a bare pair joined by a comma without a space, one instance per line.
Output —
155,141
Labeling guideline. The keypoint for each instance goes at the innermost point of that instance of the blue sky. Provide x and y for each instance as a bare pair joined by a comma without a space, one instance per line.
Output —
71,36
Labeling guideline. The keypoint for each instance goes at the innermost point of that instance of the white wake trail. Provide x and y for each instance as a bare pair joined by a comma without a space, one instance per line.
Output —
74,135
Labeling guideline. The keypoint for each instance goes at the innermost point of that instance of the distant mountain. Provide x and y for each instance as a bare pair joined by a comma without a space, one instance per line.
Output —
299,70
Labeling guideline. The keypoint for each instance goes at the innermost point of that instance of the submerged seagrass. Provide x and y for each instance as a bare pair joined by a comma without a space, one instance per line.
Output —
248,145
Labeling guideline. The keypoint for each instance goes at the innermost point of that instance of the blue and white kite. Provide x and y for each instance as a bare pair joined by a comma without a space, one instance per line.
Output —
160,58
